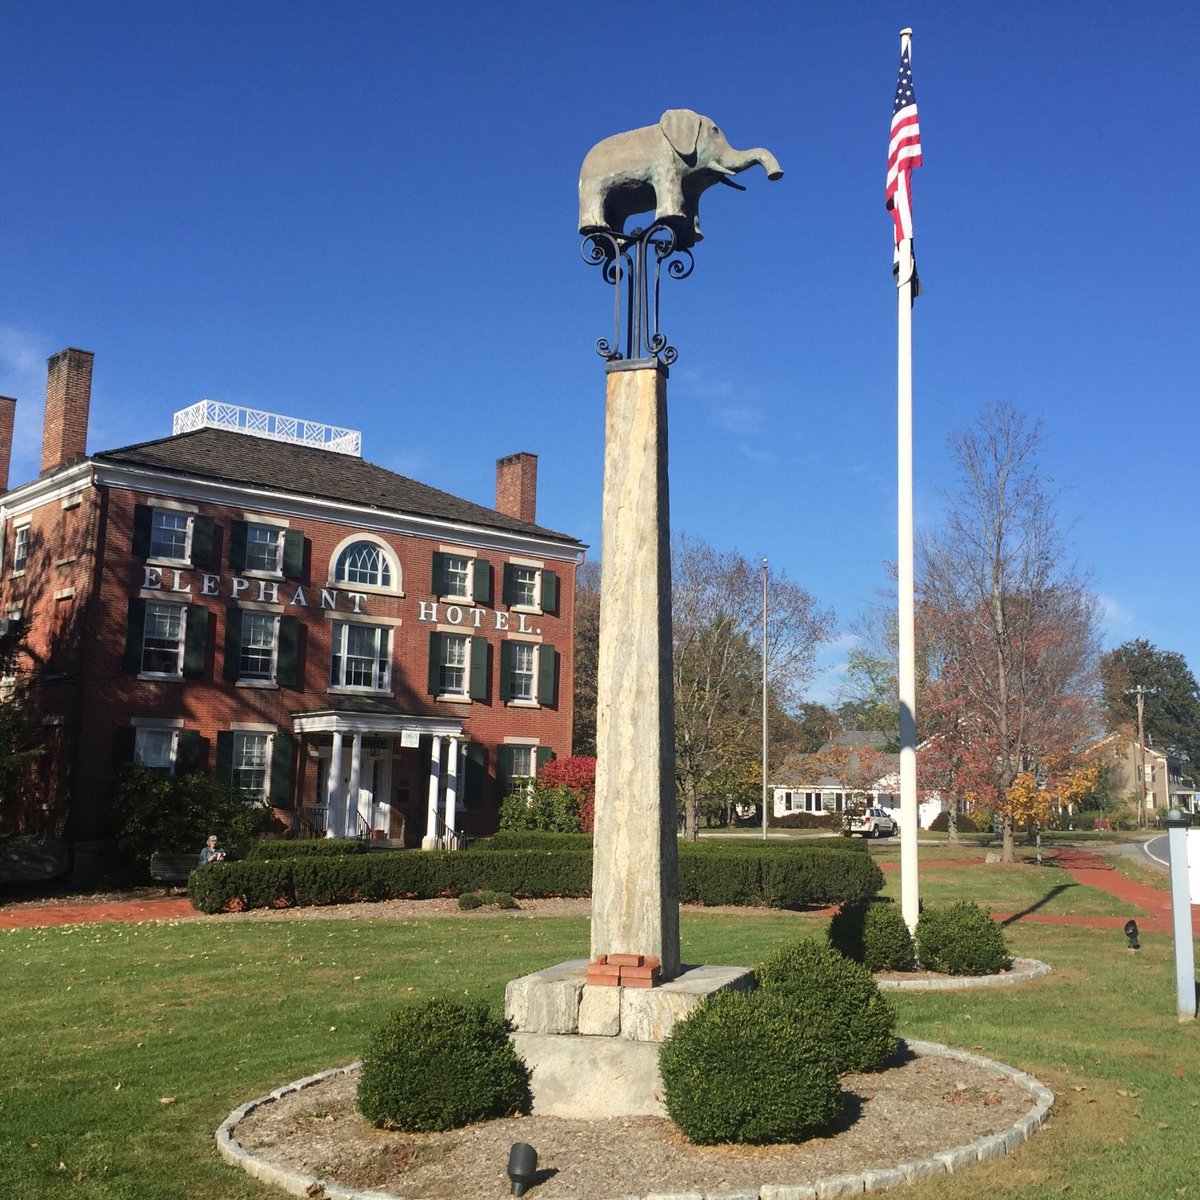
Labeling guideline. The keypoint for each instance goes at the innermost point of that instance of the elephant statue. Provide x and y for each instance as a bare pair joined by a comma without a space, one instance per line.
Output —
667,167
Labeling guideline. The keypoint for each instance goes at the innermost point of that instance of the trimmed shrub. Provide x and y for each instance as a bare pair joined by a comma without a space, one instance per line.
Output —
471,900
224,885
960,939
839,997
304,848
440,1065
795,878
748,1067
822,821
550,809
873,933
534,839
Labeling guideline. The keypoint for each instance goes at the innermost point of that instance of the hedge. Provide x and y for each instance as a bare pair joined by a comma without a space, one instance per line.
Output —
743,876
322,847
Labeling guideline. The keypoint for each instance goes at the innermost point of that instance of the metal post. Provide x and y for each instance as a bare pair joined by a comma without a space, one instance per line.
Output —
1181,913
764,702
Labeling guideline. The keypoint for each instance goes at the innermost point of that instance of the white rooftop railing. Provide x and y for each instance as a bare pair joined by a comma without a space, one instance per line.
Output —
210,414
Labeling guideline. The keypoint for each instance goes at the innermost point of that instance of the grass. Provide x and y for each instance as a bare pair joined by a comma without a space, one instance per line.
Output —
126,1045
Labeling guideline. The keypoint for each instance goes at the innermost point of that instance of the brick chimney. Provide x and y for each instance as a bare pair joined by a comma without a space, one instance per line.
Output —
68,397
516,486
8,411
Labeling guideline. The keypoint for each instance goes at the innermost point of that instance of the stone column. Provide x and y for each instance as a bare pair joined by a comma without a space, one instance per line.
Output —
635,887
452,788
430,840
333,793
352,800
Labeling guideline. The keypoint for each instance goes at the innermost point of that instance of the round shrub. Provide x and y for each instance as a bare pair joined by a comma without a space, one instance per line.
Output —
960,939
839,998
440,1065
748,1067
874,934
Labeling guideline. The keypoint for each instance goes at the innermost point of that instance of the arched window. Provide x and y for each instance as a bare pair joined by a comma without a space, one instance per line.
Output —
363,563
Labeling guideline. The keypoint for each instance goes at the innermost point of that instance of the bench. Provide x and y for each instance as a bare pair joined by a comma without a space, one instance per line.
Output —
172,868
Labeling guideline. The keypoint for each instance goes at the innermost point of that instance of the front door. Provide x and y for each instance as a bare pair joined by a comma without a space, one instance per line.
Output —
371,812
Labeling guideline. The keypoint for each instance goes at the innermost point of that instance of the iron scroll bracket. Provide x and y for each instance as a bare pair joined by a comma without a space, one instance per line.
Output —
634,263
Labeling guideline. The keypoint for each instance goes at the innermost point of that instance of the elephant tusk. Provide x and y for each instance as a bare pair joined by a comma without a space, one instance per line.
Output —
740,187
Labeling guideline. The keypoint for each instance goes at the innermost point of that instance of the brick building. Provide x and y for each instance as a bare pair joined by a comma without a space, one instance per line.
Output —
249,597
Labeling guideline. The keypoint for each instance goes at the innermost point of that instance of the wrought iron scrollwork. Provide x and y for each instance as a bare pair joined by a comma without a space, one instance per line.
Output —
634,264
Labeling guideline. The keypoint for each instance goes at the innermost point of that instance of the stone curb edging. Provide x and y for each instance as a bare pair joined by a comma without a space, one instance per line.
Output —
945,1162
1023,970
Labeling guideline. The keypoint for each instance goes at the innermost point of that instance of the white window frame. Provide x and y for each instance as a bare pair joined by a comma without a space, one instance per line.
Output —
518,776
258,620
452,573
535,604
388,562
530,676
158,511
20,548
241,738
446,642
339,658
276,533
181,641
144,733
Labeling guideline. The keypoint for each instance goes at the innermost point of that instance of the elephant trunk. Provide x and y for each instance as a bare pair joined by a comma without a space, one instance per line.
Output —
747,158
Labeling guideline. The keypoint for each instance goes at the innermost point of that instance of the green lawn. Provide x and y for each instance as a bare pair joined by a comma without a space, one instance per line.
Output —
104,1023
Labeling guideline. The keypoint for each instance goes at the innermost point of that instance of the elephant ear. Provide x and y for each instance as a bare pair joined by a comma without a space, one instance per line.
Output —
681,127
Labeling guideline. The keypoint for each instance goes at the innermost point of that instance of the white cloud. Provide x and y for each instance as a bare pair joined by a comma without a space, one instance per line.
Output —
1116,621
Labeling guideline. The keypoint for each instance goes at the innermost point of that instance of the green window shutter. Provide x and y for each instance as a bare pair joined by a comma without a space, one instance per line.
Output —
143,516
287,652
293,553
547,673
237,546
135,627
189,752
203,542
476,774
195,641
507,590
549,592
507,651
544,755
233,643
479,668
504,771
435,663
481,582
283,763
124,745
224,765
439,583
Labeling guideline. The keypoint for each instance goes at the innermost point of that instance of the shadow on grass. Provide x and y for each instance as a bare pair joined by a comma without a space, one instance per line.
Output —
1054,891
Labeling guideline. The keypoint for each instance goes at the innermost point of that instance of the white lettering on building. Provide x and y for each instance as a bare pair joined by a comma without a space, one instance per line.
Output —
265,597
427,610
210,585
329,598
298,597
151,578
176,586
454,614
238,586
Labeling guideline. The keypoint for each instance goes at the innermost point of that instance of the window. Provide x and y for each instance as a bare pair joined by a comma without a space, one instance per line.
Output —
530,587
460,576
169,534
162,639
251,760
517,766
20,548
363,562
264,548
523,671
257,658
522,762
155,748
453,665
362,657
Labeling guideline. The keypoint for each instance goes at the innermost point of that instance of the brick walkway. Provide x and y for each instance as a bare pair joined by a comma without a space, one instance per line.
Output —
1084,866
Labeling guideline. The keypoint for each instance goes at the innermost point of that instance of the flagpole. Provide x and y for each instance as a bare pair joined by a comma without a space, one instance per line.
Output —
907,675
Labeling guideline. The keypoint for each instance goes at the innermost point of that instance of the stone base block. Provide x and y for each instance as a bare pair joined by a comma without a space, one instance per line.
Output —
559,1000
590,1078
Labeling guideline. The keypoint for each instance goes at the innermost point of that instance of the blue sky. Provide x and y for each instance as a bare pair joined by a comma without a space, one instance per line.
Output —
365,213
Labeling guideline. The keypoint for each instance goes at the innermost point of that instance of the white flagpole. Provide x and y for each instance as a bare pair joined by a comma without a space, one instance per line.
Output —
907,673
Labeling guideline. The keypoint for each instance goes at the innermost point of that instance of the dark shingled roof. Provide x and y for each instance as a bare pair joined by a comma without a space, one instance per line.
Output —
311,471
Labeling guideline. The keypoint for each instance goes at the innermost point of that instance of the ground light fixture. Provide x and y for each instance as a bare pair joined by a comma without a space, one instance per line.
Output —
1131,932
522,1167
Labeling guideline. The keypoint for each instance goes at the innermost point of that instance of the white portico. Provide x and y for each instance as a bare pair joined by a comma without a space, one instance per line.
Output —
365,763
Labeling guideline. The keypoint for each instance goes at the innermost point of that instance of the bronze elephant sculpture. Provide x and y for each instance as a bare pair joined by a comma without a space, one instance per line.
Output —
666,167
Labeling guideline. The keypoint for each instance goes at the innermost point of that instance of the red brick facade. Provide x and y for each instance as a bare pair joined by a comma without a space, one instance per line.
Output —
104,610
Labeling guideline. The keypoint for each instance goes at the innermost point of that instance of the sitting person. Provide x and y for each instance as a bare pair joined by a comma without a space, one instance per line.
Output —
212,852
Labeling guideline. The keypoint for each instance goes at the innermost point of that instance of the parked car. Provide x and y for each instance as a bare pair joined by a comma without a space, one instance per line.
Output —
873,822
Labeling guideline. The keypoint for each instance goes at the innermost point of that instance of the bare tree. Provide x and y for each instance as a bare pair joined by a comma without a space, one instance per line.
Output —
1008,626
587,658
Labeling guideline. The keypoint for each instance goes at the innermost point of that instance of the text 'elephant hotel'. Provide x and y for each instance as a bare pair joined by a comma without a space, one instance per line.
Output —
250,598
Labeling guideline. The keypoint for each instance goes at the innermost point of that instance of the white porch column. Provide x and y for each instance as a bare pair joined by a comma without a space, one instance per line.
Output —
333,794
352,811
452,789
430,840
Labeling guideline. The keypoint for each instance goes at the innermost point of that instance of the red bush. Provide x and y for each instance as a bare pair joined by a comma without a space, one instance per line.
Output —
578,774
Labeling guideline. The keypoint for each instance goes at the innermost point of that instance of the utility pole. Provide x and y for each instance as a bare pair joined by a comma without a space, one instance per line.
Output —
1141,693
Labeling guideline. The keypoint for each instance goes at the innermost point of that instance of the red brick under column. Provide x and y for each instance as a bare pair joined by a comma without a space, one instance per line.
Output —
625,970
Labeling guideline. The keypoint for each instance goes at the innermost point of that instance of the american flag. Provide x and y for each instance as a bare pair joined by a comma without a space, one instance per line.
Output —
904,151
